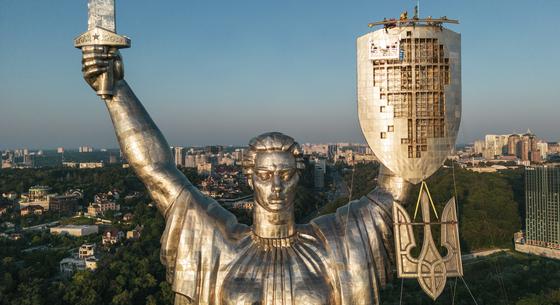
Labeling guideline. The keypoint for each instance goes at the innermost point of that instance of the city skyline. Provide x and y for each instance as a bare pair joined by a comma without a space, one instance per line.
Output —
115,146
306,51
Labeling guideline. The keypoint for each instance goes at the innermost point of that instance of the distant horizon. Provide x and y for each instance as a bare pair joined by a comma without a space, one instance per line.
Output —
98,148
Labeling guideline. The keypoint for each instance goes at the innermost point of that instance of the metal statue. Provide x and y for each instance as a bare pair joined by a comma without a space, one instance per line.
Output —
409,106
339,259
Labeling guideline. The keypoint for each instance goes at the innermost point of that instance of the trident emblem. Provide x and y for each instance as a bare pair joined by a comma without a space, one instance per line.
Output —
430,268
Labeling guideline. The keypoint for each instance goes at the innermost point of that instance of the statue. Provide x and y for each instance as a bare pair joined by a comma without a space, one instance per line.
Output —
339,259
213,259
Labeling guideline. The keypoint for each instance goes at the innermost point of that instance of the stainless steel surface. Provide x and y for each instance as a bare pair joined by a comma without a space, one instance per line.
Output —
430,268
102,32
341,259
395,185
410,109
101,14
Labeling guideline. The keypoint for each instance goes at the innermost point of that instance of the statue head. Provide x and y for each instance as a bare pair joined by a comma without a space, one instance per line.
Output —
272,166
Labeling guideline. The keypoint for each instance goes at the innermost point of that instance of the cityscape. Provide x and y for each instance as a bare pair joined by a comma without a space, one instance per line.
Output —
100,222
243,159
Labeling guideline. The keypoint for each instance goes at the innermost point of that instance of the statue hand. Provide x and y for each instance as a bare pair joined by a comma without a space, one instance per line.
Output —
97,60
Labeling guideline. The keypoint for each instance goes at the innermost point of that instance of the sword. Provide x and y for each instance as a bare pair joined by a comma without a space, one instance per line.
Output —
102,31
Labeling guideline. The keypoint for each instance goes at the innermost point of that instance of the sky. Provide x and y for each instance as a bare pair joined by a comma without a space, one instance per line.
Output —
221,72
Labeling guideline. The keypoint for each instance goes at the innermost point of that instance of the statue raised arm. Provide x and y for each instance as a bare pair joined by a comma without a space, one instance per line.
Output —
140,140
340,258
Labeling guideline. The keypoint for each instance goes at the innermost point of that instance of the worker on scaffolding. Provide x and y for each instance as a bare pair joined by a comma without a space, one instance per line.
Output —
404,16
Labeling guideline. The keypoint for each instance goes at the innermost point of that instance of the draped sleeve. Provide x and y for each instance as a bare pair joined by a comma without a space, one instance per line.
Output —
200,239
359,243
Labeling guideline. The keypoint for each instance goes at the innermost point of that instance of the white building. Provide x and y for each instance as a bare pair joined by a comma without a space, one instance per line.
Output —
315,149
99,208
190,161
91,263
495,145
75,230
201,159
85,260
111,237
102,203
179,153
69,265
479,146
85,149
83,165
86,250
543,148
205,169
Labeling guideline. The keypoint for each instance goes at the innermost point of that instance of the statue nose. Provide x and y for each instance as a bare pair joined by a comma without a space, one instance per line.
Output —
276,183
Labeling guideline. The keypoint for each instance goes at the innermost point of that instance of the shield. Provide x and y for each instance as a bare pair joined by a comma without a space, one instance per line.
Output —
409,99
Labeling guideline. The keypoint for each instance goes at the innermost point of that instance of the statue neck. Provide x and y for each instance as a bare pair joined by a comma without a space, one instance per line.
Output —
395,185
279,224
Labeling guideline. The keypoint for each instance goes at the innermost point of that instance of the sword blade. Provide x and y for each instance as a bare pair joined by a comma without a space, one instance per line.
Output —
101,13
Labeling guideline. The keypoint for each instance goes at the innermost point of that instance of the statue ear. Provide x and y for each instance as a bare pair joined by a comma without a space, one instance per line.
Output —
250,181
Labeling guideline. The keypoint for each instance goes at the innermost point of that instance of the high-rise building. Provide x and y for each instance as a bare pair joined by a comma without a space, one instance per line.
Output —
238,154
495,145
542,200
542,147
319,171
201,159
190,161
60,150
205,169
529,149
332,151
409,79
479,146
179,156
28,159
513,146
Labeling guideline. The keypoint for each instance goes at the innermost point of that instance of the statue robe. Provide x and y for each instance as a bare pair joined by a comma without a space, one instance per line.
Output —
339,259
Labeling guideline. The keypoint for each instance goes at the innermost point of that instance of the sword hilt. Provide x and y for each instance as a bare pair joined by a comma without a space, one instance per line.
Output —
100,36
106,81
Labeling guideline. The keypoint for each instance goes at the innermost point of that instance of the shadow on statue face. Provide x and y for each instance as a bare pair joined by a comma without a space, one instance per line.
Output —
274,180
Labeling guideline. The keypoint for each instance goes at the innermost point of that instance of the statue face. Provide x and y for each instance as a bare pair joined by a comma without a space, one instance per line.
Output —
274,180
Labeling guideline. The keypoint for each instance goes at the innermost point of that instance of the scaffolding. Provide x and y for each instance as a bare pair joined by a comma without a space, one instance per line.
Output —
414,85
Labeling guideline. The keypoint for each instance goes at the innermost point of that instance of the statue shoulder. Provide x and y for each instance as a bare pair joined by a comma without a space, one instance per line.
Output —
196,212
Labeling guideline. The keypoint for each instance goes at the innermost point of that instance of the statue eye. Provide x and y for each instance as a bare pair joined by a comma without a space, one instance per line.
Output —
287,175
264,175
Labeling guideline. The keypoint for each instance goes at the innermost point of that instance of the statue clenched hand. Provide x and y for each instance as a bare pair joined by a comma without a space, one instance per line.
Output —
97,60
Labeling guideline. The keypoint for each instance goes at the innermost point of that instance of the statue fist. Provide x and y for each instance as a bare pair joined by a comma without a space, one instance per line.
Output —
97,60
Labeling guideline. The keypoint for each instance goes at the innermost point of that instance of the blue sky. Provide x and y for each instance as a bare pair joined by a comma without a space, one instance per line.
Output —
221,72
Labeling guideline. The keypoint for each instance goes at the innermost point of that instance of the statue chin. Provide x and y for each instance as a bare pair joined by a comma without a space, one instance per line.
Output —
275,206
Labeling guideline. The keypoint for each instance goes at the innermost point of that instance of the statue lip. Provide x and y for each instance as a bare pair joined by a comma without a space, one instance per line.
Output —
276,201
